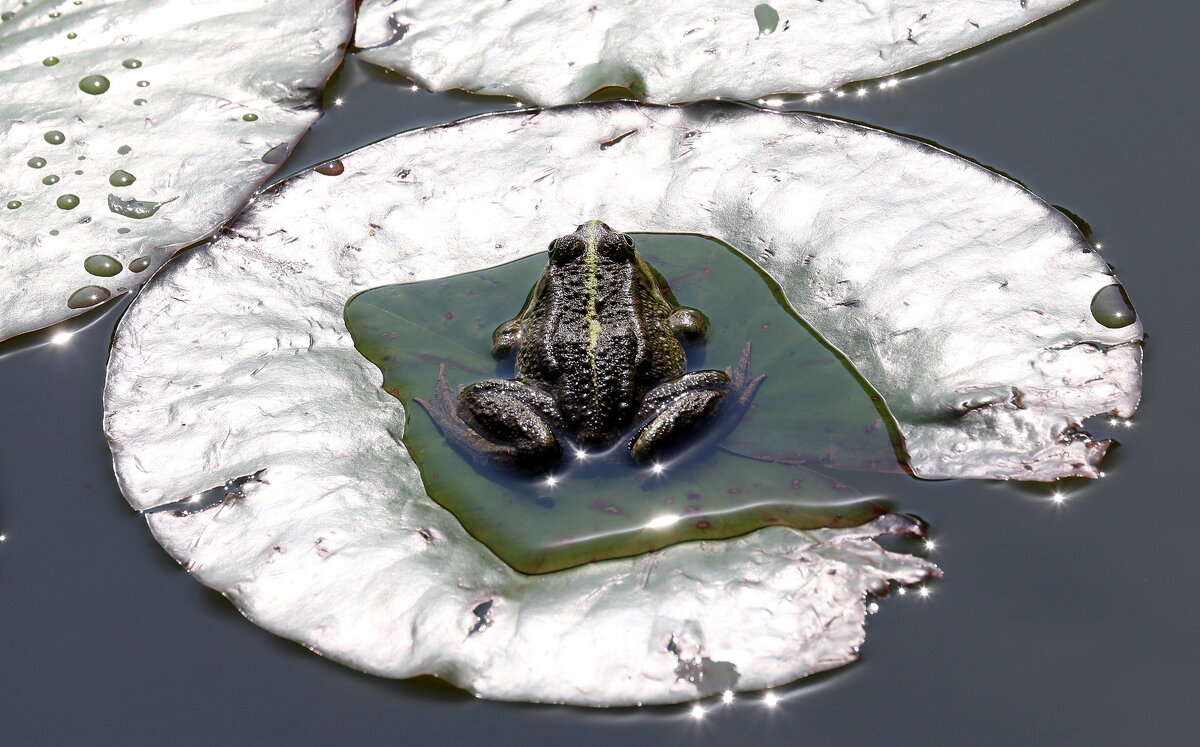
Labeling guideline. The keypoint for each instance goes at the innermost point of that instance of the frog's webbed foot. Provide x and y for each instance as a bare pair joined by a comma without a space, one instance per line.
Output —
497,422
742,385
694,412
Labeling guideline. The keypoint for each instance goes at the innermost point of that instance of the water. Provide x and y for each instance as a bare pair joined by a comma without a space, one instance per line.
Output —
102,265
94,84
277,154
1112,308
88,295
120,178
1058,622
771,469
137,209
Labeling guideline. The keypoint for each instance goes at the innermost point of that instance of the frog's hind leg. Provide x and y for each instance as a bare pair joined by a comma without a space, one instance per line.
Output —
497,422
693,411
660,397
674,424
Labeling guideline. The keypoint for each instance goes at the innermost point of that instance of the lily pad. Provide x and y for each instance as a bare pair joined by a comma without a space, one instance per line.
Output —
124,132
549,52
582,511
944,284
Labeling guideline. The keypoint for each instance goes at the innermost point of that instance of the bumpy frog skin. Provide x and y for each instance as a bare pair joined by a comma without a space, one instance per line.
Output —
600,368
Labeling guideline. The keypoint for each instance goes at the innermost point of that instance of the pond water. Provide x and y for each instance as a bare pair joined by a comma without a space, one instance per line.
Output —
1064,615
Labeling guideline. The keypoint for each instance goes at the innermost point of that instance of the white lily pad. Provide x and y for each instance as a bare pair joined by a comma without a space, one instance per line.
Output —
132,128
550,52
940,280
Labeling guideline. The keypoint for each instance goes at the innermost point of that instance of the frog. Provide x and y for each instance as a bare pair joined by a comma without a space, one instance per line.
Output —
601,369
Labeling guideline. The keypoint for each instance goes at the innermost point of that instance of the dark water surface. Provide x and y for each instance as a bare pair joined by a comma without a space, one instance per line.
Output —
1055,624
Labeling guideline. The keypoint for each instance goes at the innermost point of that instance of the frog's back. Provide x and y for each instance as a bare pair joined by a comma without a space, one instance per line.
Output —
598,338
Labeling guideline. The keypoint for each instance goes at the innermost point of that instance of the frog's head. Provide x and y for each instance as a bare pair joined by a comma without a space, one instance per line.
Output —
590,241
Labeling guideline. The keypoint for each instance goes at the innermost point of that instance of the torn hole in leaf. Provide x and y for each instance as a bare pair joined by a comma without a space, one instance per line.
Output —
233,490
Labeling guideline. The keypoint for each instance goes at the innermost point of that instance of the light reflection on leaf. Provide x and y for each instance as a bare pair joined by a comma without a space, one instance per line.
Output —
549,52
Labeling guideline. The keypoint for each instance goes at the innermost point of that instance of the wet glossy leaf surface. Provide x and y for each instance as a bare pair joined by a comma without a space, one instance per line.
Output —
124,131
809,405
550,52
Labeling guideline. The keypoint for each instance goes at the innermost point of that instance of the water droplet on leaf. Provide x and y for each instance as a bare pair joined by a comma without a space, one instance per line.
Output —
138,102
72,35
94,84
88,295
1111,307
50,61
134,208
102,265
132,64
331,168
14,204
50,179
67,202
276,154
124,230
36,162
139,264
143,83
250,117
124,149
767,17
121,178
54,137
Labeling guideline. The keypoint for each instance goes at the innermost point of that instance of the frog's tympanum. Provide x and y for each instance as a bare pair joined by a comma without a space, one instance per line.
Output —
599,368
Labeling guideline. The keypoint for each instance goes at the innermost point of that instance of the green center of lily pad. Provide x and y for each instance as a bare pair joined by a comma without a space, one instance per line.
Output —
810,414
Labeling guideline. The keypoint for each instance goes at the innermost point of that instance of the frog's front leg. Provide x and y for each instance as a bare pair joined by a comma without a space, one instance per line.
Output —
499,422
688,325
693,411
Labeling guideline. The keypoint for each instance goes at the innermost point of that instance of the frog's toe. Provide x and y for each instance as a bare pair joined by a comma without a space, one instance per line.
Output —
742,383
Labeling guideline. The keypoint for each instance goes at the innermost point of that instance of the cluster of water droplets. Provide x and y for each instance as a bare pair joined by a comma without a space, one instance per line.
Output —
99,84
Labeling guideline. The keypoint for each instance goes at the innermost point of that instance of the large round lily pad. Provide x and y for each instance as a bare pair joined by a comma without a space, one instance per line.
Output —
961,298
132,128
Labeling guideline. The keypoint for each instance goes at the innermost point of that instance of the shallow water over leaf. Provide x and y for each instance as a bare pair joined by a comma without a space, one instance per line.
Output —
810,409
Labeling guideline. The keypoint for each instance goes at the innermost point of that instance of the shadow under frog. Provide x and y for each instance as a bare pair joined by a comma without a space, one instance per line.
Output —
600,370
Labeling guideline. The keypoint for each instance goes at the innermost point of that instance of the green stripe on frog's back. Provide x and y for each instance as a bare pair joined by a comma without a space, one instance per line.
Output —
591,285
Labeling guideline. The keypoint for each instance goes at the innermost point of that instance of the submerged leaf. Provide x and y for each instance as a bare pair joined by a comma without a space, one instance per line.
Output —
961,298
147,98
583,511
549,52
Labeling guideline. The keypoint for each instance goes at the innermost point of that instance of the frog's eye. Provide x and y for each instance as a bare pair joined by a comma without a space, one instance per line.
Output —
565,249
619,248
